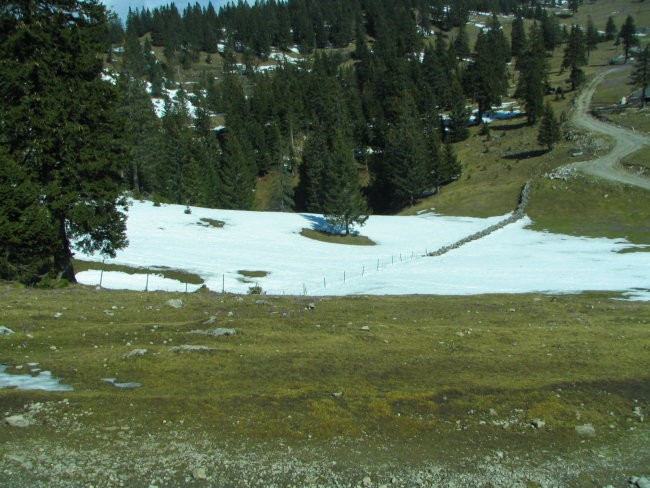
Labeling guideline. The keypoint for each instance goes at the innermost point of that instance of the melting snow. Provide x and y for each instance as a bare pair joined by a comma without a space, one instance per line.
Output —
514,259
42,381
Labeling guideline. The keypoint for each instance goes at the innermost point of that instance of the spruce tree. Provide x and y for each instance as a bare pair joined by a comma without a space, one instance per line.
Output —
518,37
610,29
641,74
406,158
592,36
628,36
343,203
575,56
533,68
61,127
549,128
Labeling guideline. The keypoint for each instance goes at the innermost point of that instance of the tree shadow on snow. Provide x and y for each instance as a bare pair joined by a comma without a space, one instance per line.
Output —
320,224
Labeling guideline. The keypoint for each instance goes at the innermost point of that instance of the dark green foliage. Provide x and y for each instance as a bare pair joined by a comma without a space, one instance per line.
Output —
407,160
533,77
592,36
640,77
610,29
486,79
628,35
343,203
549,128
575,56
60,132
518,37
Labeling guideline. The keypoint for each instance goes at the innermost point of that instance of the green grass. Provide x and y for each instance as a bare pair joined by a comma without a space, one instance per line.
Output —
80,265
352,240
639,159
294,372
588,207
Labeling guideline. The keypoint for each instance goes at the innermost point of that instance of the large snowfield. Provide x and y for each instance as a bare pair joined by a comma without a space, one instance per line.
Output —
514,259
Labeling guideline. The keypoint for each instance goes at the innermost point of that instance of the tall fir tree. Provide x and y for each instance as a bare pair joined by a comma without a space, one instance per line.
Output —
628,36
610,29
533,74
640,77
549,128
343,203
61,127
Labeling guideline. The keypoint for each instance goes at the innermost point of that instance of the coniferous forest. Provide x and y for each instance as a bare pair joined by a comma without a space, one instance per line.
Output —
342,107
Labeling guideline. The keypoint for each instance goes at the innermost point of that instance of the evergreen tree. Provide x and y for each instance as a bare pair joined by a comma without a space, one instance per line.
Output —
343,204
486,77
628,36
60,126
533,76
575,56
610,29
407,159
237,174
518,37
549,128
314,159
641,74
458,115
461,43
592,36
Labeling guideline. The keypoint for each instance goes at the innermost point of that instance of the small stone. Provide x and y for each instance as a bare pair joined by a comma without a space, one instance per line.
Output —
262,302
586,430
52,348
175,303
5,331
18,421
199,474
216,332
537,423
311,306
367,481
337,394
641,482
58,315
135,353
493,412
365,328
192,348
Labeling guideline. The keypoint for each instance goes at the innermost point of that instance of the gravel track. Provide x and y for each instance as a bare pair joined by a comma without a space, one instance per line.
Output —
626,141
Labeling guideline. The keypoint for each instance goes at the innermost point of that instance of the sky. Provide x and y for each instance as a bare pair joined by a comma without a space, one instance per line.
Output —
514,259
122,6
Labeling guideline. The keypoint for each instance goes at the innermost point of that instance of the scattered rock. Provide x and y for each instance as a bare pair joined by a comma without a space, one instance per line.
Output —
217,332
586,430
262,302
175,303
125,385
58,315
199,474
135,353
337,394
365,328
639,482
5,331
537,423
18,421
192,348
211,320
367,481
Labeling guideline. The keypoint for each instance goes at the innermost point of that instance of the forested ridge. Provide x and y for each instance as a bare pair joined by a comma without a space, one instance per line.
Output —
339,107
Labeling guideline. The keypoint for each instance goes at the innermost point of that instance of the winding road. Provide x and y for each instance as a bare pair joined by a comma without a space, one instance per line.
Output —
627,141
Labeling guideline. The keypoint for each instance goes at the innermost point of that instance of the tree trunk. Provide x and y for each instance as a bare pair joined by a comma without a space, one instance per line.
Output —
63,258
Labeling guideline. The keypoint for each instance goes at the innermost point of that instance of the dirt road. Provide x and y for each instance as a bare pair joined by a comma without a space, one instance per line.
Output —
627,141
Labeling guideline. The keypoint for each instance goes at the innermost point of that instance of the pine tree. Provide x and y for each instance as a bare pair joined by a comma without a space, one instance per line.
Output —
610,29
406,158
592,36
549,128
486,77
533,68
461,42
60,126
575,56
518,37
237,174
628,36
343,204
641,74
